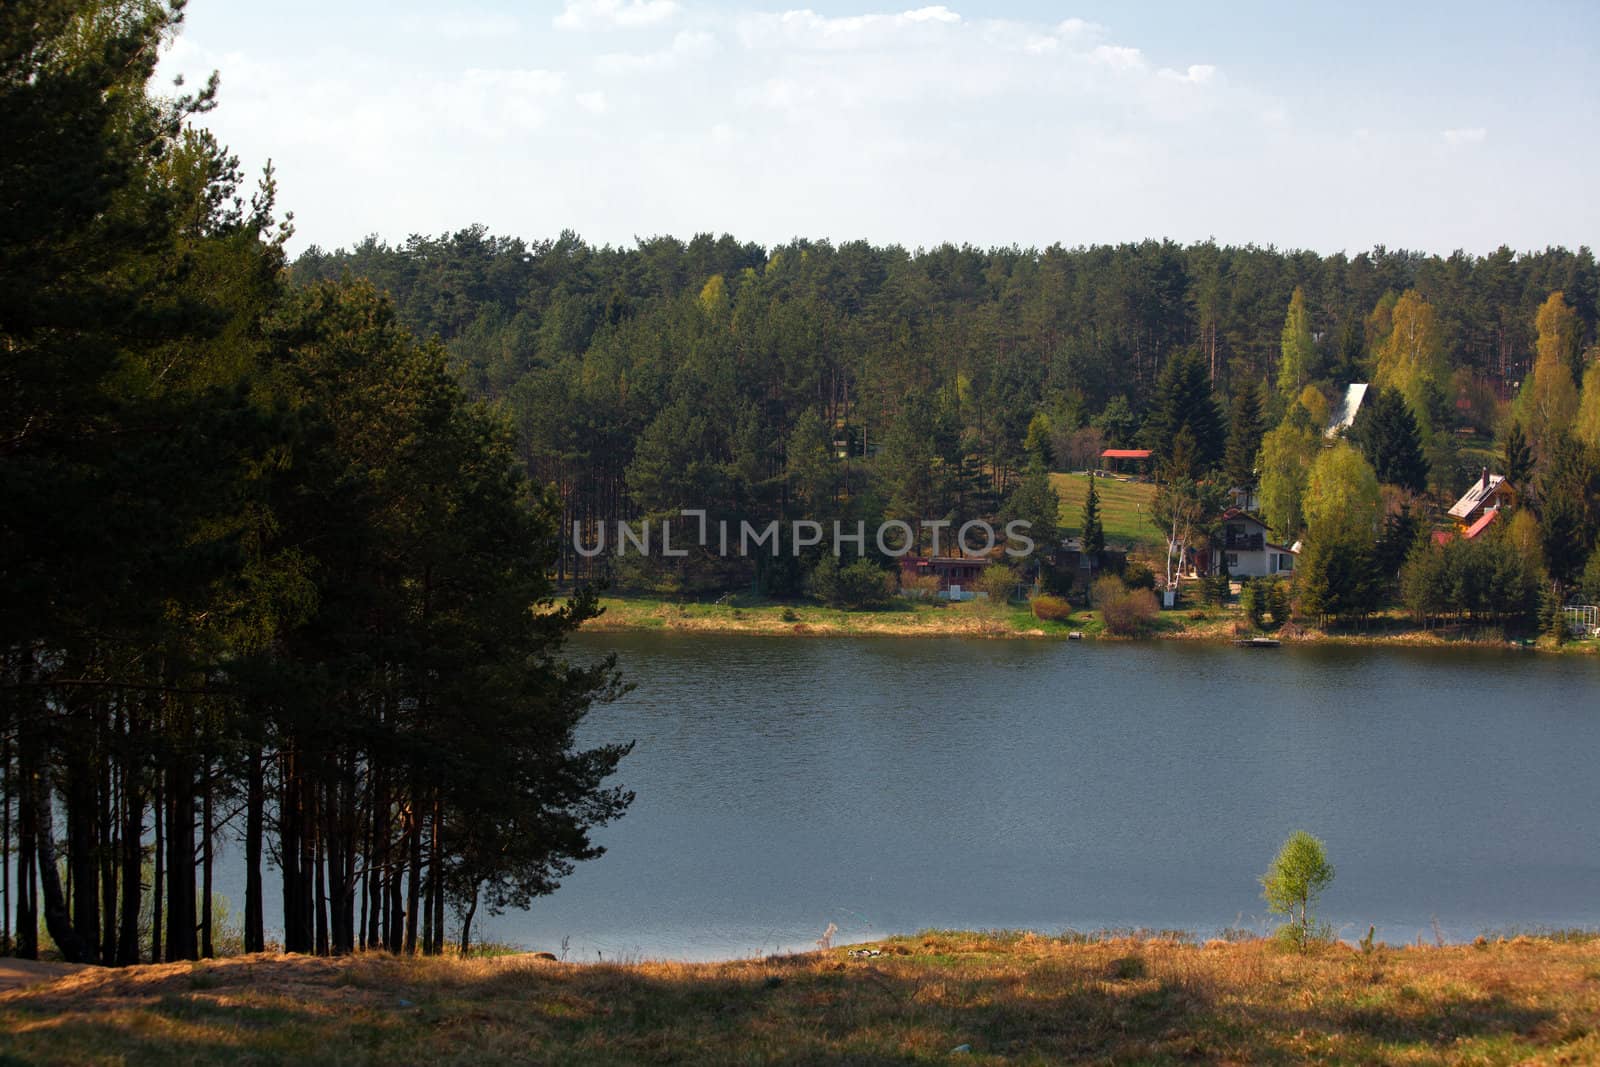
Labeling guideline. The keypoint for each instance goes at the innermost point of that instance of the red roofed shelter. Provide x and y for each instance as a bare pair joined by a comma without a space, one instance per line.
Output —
1116,456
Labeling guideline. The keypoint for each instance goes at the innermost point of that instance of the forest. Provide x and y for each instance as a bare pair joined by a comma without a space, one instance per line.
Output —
860,382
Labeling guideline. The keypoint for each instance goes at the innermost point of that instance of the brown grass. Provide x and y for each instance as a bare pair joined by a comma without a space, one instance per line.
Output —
1008,998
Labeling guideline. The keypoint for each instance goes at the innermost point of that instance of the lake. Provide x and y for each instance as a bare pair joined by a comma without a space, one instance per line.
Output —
887,786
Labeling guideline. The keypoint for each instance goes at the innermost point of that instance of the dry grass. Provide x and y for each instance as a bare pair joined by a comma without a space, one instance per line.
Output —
1008,998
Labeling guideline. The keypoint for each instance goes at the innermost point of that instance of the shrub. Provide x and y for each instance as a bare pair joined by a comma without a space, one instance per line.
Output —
1052,608
1125,611
1138,575
1265,602
999,581
1589,584
858,585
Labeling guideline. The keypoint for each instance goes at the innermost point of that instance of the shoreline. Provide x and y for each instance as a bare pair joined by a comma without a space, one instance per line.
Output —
752,617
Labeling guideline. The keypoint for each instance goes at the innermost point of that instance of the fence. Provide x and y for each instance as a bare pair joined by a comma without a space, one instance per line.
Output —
1583,620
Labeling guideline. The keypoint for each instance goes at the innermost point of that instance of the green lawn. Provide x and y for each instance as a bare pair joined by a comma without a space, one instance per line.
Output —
1124,510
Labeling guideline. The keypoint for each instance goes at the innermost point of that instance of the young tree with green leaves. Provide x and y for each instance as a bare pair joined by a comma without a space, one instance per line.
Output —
1298,352
1297,876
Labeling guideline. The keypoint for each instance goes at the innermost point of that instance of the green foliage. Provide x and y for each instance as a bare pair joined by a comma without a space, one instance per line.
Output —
1244,438
1184,402
1388,435
1035,502
1517,458
1285,464
1000,581
1265,602
1336,577
1139,575
1342,495
1297,877
1589,584
1094,534
1298,354
1568,502
1400,532
860,584
1487,579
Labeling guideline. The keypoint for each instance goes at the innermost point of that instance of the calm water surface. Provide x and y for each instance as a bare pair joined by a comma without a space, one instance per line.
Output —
891,785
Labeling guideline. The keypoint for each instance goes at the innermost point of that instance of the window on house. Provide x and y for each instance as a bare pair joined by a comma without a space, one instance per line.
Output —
1233,559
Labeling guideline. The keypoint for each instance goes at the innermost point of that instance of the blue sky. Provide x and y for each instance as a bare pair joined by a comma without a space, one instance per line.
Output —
1326,126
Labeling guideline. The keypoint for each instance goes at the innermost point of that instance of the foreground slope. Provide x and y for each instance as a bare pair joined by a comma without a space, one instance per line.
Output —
1012,999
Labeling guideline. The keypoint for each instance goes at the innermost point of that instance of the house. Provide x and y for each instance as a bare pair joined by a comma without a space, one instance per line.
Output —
958,575
1072,564
1344,416
1245,497
1489,491
1243,543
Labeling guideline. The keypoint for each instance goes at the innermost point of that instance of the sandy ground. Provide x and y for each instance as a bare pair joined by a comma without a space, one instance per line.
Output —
14,974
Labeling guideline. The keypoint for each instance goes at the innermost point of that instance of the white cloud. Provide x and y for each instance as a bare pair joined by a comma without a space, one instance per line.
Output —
805,28
593,102
1197,74
461,26
686,46
614,14
1119,58
1466,135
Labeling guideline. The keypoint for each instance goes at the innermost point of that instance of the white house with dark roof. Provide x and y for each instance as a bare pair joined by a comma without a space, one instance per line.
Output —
1244,544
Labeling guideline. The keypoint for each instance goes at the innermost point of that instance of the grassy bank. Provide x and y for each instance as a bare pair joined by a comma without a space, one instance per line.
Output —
995,998
1124,510
743,614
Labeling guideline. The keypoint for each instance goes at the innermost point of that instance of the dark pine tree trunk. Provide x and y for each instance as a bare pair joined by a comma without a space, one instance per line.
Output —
255,939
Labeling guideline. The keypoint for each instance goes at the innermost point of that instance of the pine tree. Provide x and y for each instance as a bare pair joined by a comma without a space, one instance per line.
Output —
1184,401
1518,457
1389,437
1244,439
1094,534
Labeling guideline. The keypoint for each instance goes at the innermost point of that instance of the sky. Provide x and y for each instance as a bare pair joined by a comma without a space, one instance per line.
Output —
1329,126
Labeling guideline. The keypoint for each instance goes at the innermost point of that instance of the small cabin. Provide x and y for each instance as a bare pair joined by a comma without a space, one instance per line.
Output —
958,575
1245,546
1489,492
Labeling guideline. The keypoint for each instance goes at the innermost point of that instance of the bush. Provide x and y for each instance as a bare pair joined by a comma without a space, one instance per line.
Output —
999,581
1126,612
1052,608
1138,575
1589,584
859,585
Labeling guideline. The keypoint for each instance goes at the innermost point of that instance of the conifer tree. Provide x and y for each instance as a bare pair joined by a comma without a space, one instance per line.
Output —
1244,438
1094,534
